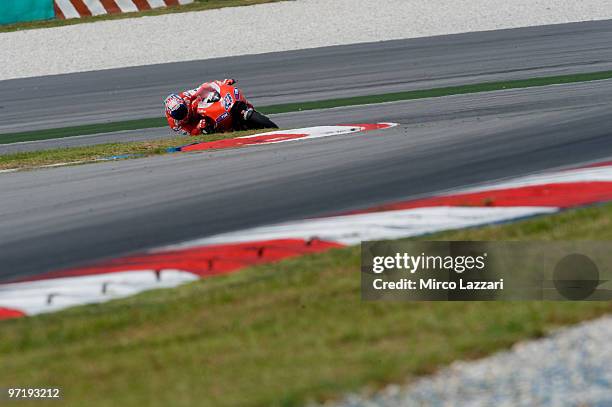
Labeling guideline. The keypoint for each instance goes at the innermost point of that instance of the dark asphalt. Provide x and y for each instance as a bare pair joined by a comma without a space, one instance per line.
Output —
314,74
66,216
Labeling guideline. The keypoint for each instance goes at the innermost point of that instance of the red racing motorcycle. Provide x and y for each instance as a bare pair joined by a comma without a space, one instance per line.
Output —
226,107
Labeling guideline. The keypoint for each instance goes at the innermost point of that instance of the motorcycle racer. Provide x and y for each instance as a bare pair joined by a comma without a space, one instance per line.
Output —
181,109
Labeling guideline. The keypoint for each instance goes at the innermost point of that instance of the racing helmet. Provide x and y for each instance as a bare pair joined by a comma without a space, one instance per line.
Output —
176,107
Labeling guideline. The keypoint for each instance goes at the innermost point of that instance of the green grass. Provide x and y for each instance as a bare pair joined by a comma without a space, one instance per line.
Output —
34,159
321,104
198,5
279,334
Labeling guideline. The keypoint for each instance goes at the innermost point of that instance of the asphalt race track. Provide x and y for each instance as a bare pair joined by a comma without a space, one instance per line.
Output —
60,217
315,74
63,216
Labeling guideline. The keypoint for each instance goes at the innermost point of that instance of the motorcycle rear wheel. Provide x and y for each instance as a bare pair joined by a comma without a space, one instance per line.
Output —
259,121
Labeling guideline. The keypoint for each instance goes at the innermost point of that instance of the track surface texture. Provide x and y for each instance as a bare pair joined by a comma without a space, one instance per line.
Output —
312,74
65,216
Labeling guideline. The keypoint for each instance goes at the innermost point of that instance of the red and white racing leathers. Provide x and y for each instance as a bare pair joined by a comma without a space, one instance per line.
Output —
193,124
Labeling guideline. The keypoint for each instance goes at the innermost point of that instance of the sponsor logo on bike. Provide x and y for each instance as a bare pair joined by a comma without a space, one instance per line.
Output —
228,101
222,117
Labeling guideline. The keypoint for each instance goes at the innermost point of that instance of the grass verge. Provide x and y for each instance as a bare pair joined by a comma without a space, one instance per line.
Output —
34,159
279,334
321,104
198,5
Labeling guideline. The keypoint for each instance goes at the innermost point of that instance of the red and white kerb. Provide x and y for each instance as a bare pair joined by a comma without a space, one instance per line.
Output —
65,9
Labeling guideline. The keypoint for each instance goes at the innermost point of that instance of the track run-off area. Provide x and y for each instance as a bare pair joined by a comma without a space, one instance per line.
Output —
65,217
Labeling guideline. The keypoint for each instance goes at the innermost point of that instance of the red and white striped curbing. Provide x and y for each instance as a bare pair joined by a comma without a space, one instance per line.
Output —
65,9
169,266
283,136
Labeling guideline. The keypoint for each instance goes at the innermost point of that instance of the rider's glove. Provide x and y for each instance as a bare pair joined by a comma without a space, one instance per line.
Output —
229,81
